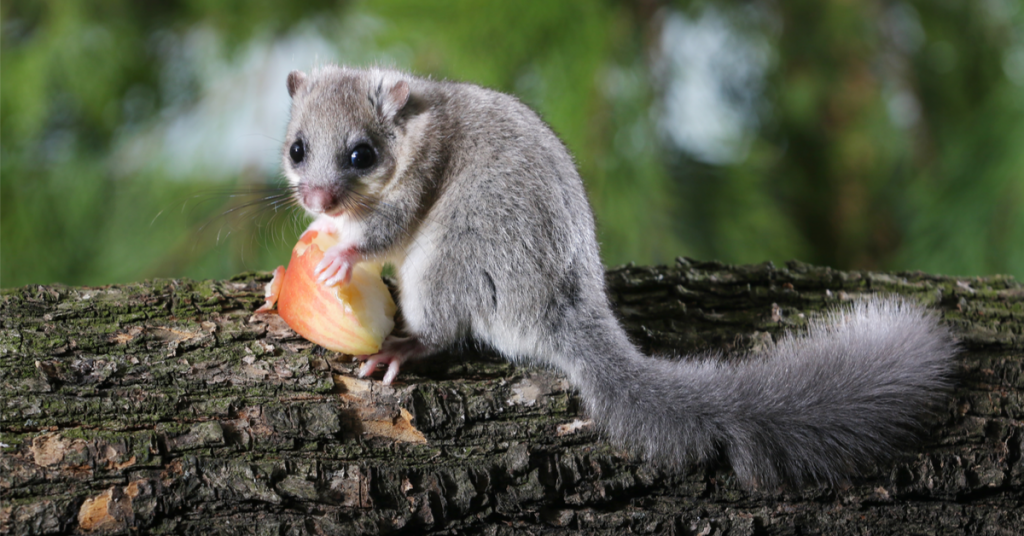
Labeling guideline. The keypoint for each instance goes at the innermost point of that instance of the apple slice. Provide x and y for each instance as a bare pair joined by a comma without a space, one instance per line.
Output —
353,318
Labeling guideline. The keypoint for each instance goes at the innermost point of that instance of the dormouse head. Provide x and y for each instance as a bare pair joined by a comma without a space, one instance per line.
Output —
342,146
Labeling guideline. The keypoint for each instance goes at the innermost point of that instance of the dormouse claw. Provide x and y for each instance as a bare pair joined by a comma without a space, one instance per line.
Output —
394,352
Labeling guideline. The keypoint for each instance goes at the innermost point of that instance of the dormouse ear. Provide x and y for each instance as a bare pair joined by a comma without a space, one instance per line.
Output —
394,100
295,81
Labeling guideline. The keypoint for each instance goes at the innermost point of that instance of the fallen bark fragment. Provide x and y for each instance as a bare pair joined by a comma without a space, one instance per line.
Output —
168,407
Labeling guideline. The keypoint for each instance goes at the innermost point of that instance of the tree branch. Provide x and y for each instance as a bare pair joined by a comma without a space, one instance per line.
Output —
166,407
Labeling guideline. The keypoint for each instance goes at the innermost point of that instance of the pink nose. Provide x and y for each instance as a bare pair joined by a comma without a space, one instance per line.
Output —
317,199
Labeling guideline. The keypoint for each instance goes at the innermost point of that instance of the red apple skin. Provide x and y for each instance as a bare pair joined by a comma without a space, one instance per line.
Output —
351,319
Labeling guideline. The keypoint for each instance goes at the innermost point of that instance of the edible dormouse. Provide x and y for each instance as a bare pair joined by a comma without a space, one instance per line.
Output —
480,207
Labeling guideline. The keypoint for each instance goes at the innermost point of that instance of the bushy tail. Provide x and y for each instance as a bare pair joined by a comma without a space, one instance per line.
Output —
814,409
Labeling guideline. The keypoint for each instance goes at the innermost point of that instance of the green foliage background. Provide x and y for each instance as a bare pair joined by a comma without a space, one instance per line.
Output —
828,176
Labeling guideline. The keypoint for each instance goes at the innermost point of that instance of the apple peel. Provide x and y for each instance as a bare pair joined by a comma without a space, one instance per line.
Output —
352,318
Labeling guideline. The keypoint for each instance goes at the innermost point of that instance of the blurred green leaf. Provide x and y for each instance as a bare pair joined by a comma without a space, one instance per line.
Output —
880,135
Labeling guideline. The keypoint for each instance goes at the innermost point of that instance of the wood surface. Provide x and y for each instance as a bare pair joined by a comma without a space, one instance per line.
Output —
167,407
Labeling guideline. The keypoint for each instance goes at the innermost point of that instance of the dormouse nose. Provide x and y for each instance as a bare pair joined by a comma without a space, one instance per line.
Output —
318,199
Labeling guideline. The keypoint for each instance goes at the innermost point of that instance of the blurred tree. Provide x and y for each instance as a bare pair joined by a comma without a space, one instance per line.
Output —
887,136
76,77
966,210
878,134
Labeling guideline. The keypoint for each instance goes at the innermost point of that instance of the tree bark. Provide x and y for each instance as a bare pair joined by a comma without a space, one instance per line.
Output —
167,407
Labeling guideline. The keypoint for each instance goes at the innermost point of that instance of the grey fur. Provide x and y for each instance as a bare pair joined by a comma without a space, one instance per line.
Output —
480,207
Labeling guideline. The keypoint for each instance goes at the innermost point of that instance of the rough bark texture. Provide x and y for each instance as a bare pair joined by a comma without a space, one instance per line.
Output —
166,407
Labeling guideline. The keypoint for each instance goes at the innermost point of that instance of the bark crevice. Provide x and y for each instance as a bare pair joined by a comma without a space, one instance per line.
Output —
167,407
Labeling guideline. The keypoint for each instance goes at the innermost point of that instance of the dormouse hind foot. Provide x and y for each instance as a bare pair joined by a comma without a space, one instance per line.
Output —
394,352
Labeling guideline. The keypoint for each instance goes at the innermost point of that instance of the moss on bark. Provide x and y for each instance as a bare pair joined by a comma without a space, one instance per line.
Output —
166,407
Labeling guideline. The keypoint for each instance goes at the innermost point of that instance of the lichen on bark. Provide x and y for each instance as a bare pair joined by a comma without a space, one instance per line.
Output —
166,407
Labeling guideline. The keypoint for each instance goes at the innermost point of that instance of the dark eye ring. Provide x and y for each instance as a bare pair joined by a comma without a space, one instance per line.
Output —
362,157
297,151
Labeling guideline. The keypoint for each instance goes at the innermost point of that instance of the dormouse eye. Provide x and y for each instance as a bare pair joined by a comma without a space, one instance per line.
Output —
362,157
297,151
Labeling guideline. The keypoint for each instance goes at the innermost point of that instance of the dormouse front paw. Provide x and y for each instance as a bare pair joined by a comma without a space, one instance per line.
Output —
336,266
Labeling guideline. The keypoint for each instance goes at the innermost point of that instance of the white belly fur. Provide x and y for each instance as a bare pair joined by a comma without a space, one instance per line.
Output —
413,270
